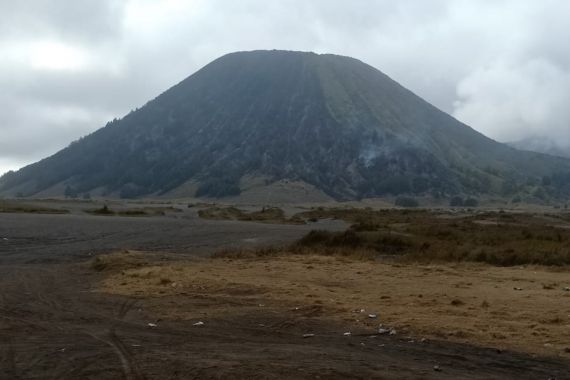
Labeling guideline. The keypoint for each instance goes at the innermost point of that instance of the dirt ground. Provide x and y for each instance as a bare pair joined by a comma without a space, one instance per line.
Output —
45,238
55,323
62,317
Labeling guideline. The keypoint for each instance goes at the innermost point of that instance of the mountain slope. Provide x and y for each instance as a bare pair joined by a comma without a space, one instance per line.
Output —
331,121
542,145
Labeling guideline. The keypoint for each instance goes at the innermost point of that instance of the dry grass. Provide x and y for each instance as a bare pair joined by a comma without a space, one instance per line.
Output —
496,238
360,254
119,261
265,215
19,207
506,308
133,212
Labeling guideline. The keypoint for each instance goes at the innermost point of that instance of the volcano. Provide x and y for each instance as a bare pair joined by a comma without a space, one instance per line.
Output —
328,121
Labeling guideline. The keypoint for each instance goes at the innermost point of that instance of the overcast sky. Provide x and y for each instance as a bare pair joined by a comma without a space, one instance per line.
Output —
68,66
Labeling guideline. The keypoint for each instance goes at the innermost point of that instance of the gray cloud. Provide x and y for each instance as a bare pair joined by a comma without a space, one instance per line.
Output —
85,21
67,66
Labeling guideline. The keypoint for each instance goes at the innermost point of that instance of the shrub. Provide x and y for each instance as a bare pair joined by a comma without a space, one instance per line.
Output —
365,225
392,244
137,213
315,237
98,264
102,211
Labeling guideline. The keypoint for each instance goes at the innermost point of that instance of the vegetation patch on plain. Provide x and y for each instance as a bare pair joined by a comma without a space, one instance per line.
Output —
265,215
132,212
497,238
19,207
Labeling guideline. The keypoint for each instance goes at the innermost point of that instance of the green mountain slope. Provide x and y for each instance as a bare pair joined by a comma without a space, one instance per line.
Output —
331,121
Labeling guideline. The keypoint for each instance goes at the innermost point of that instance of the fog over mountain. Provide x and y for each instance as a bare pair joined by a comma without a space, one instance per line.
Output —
67,67
542,145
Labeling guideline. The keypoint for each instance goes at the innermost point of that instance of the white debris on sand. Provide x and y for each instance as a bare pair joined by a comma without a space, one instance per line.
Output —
386,330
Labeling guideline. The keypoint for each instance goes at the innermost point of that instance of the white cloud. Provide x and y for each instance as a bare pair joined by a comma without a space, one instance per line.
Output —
515,100
45,55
